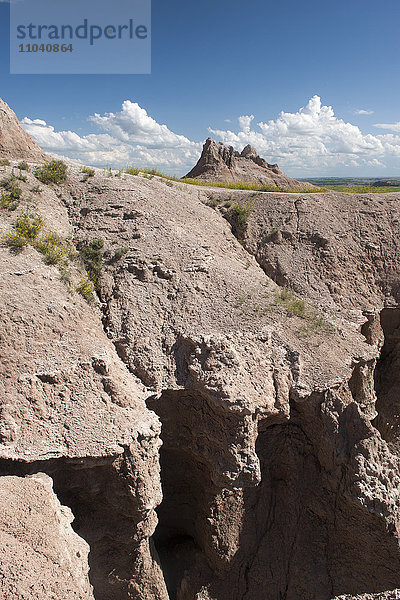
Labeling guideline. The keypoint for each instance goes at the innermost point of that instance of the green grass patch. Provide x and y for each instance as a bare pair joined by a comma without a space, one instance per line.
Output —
54,171
290,302
132,171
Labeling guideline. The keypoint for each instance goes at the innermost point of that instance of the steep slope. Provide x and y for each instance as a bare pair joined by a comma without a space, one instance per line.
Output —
15,143
224,164
71,409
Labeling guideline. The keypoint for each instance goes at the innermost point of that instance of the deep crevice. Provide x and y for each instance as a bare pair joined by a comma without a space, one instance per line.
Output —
186,483
387,380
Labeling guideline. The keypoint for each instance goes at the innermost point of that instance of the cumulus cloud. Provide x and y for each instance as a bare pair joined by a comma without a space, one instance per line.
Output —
310,141
314,140
130,136
362,111
390,126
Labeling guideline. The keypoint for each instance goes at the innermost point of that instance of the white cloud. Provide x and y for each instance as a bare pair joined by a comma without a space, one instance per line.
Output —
245,123
311,141
132,137
362,111
390,126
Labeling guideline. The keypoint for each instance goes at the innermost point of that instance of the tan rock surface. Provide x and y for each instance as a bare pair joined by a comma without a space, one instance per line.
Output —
41,558
224,164
15,143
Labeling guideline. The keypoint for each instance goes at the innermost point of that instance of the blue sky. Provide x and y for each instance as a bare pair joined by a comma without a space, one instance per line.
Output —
213,62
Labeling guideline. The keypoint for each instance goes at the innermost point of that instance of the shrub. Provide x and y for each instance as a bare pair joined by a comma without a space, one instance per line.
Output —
86,288
52,247
4,162
92,257
240,217
25,231
54,171
119,253
15,240
28,225
23,166
7,202
36,189
12,188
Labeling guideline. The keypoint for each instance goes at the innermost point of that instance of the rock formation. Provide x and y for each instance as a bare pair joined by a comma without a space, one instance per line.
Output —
40,555
222,420
15,143
224,164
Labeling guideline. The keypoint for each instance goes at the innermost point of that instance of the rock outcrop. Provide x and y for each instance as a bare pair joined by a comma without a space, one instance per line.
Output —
221,421
40,555
224,164
15,143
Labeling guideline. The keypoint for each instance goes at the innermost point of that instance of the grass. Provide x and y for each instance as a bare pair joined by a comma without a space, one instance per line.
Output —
290,302
132,171
23,166
4,162
314,320
54,171
87,173
241,214
363,189
217,184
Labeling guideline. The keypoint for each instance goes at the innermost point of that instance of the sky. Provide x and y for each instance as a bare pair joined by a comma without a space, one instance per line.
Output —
312,85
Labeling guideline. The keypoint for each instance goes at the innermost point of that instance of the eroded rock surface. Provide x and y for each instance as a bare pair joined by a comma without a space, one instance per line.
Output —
222,163
15,143
41,558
